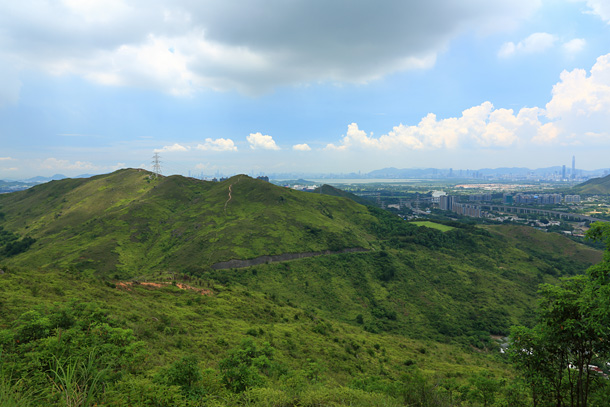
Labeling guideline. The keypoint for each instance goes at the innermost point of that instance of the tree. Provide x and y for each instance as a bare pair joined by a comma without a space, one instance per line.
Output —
572,335
242,367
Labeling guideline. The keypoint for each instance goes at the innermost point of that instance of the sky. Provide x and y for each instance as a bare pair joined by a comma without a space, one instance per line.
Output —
311,86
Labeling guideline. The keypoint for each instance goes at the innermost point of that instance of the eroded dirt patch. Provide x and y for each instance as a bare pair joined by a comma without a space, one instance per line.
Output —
127,285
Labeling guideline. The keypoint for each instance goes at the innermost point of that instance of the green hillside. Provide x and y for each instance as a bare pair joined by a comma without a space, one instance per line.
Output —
367,310
330,190
594,186
128,224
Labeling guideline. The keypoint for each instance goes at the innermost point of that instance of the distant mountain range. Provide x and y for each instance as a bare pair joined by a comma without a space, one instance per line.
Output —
403,173
56,177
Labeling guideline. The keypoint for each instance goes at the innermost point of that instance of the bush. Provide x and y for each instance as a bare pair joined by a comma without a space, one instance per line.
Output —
242,367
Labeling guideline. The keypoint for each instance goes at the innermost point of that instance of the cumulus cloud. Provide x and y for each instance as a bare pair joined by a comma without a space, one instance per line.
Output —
181,47
534,44
479,126
301,147
219,144
578,113
172,149
260,141
5,158
580,105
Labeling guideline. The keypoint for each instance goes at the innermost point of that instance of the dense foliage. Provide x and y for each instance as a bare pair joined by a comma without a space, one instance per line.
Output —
11,245
565,357
117,301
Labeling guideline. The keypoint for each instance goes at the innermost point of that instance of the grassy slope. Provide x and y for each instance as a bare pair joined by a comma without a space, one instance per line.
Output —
415,281
174,323
415,291
428,224
330,190
594,186
555,250
127,224
418,288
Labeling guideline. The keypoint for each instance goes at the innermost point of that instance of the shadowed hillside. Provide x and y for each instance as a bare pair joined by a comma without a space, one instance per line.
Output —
330,190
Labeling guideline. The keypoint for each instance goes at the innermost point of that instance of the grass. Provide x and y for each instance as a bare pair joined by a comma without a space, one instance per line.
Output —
175,222
433,225
174,323
420,301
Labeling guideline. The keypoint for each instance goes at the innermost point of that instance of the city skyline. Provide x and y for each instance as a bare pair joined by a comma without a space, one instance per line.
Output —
89,87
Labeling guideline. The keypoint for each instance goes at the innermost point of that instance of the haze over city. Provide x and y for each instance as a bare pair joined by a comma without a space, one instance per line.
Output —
312,86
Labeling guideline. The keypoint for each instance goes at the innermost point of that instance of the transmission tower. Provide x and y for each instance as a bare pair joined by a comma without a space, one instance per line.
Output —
156,165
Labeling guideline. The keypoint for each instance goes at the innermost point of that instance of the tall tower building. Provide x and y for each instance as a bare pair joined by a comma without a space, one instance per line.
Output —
573,167
563,172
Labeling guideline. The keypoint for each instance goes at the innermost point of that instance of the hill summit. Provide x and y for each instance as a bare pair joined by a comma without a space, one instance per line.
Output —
130,222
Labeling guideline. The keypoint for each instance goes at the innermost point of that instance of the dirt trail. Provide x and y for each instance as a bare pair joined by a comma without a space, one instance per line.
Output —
230,197
280,257
126,285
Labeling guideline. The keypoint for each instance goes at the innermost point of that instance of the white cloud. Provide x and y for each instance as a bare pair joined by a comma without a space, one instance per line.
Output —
534,44
581,104
574,46
172,149
219,144
5,158
263,142
479,126
55,164
181,47
301,147
600,8
578,113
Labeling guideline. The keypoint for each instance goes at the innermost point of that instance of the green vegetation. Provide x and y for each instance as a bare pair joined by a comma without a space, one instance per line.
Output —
128,224
594,186
116,301
572,335
434,225
11,245
332,191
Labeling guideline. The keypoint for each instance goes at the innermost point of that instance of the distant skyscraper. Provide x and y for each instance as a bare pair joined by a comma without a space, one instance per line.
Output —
563,172
573,167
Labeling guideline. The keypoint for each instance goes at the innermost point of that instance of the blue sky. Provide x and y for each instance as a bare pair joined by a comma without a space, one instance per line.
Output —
276,86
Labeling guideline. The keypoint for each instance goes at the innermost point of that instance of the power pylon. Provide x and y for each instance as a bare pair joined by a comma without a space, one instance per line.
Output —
156,165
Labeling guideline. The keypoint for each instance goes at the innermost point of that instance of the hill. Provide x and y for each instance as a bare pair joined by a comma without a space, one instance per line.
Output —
329,253
130,224
332,191
594,186
367,307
